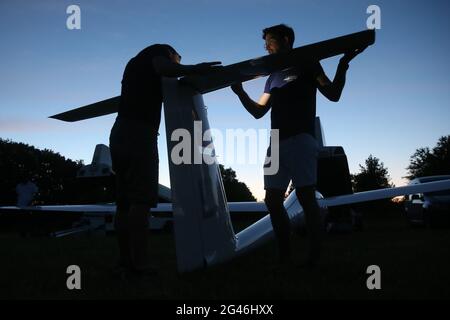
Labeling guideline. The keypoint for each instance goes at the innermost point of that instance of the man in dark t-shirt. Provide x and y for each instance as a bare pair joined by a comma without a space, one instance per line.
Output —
134,150
299,89
291,96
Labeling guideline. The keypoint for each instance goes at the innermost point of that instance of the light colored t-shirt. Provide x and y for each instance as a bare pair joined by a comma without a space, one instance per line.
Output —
25,193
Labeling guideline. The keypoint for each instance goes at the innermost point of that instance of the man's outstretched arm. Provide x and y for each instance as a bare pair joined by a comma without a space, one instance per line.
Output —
168,68
256,109
333,90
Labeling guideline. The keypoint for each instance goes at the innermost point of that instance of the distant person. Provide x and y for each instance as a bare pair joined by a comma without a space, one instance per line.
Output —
25,193
134,151
291,96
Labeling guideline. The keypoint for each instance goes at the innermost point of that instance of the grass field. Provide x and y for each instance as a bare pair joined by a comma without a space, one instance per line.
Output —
414,262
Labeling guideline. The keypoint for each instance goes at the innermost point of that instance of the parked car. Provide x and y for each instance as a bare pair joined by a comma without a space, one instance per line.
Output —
429,209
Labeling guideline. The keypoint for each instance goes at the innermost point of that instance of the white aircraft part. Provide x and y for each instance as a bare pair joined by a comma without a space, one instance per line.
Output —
386,193
250,207
203,231
241,71
247,207
101,155
262,230
165,193
204,234
65,233
87,209
82,208
101,163
320,137
262,66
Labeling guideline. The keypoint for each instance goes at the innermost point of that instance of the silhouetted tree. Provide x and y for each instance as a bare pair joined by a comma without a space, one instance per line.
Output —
54,175
234,189
428,163
372,176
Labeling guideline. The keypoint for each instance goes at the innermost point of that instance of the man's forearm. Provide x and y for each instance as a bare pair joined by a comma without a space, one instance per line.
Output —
177,70
252,107
167,68
339,80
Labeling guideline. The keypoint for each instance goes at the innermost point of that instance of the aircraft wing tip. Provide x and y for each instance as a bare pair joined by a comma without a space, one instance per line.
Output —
59,117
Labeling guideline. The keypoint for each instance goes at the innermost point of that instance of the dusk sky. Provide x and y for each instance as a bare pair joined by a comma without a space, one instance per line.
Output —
396,97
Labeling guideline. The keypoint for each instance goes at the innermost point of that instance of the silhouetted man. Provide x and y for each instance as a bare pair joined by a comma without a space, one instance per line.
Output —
291,96
26,189
134,151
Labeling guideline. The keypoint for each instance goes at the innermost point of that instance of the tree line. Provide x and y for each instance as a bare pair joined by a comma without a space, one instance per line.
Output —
424,162
56,179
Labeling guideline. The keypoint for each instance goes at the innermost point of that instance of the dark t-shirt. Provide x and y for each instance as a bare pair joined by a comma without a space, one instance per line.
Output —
293,99
141,97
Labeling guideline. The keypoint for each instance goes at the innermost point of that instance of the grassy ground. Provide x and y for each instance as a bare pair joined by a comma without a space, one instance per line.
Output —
414,262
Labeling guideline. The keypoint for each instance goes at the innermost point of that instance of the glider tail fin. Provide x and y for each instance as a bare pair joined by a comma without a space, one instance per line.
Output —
203,231
101,163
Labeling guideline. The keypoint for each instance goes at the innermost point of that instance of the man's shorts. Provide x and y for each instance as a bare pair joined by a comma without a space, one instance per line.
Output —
297,162
135,162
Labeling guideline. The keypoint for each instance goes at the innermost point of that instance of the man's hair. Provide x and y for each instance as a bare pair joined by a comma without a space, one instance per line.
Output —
169,48
279,32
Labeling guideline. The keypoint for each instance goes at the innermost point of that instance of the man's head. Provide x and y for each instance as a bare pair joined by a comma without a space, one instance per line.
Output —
173,54
278,38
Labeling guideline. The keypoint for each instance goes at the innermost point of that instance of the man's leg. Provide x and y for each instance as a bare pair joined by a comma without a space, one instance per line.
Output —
122,229
280,222
138,219
120,166
307,199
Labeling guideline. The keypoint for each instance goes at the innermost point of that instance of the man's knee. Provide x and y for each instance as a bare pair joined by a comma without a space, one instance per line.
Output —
274,198
306,193
138,216
307,198
121,222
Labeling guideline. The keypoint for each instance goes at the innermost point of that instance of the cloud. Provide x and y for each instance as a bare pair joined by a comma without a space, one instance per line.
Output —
26,125
14,125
